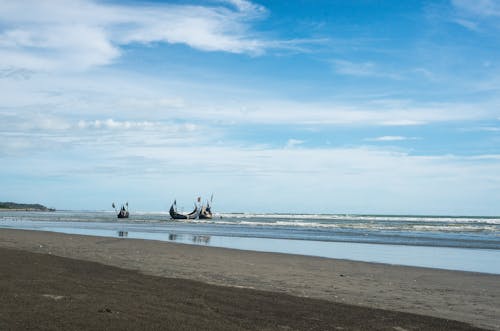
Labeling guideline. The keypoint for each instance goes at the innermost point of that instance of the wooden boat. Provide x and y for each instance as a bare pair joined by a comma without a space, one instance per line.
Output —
123,213
179,216
200,211
206,212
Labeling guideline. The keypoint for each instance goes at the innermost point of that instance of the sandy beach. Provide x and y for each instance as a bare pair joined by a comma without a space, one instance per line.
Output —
141,284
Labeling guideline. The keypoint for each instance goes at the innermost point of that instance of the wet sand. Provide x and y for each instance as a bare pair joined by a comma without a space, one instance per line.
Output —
164,285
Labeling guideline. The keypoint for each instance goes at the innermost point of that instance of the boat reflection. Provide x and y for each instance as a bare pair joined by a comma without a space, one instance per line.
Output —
195,239
201,240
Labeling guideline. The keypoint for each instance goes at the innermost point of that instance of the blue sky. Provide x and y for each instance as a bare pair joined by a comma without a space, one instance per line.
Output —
274,106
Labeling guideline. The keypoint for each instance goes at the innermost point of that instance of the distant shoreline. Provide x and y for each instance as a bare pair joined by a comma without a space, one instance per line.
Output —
13,206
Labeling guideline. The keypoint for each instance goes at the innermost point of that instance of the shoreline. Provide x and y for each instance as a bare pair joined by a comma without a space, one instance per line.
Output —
470,259
457,295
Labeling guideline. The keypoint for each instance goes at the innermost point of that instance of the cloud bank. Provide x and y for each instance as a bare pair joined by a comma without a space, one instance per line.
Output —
79,34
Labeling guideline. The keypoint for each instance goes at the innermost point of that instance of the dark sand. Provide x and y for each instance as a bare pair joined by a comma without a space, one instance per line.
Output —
45,291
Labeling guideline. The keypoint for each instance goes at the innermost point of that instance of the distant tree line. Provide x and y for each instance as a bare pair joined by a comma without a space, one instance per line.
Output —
24,206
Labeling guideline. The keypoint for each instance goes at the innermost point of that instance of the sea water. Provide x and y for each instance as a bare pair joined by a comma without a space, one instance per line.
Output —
456,243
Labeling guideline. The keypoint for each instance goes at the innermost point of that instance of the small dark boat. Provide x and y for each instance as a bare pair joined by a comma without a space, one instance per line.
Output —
179,216
123,213
206,211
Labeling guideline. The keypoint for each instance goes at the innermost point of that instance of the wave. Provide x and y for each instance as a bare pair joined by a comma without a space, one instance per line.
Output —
319,222
357,226
346,217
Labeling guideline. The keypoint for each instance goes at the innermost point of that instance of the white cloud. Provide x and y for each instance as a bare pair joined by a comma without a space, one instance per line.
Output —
32,121
391,138
248,7
303,113
479,7
15,73
362,69
354,69
323,180
291,143
426,73
112,124
47,123
486,157
108,94
405,122
126,97
48,35
467,24
477,16
189,156
482,128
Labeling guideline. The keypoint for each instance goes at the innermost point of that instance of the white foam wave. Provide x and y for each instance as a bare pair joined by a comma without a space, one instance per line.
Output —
369,226
384,218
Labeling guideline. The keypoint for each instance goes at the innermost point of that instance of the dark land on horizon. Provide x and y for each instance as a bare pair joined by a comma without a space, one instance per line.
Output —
24,206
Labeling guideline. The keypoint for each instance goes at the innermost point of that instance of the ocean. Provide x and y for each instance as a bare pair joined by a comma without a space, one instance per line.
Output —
445,242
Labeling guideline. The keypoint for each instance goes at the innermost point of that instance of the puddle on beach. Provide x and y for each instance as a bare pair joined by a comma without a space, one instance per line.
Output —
478,260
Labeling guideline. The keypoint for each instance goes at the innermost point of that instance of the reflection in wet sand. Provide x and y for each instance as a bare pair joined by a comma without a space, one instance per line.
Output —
196,239
201,240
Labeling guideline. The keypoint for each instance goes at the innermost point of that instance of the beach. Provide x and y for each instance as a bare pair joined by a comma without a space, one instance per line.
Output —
119,283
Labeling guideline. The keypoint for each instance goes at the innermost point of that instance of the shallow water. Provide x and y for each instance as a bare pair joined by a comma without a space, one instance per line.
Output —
457,243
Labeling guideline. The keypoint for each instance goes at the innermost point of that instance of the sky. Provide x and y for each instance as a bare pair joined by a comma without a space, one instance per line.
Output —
359,107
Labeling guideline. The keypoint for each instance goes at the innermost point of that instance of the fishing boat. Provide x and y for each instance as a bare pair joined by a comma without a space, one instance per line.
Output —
206,211
180,216
123,213
200,211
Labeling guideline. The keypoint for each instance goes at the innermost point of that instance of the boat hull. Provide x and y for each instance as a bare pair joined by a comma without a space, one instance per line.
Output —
123,215
178,216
